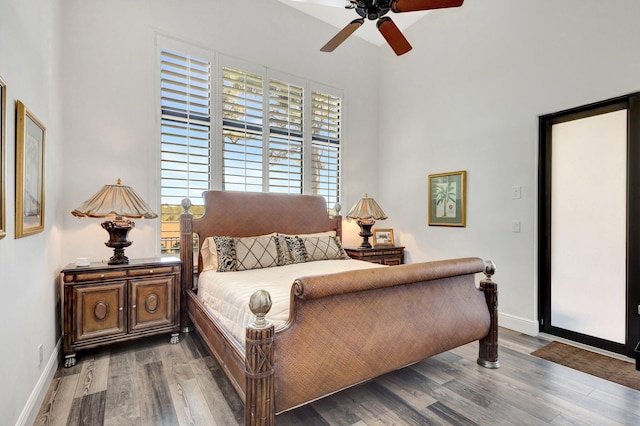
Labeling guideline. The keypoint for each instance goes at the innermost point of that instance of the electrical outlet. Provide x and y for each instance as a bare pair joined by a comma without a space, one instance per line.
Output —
40,354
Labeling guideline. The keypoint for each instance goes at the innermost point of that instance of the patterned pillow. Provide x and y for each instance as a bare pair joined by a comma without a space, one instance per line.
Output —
256,252
324,248
226,250
290,250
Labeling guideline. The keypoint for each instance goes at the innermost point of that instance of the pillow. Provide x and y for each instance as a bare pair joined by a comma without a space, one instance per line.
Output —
256,252
209,255
290,250
315,234
324,248
226,251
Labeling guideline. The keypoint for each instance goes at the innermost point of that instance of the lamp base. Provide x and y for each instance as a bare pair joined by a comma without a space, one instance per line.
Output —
118,239
365,232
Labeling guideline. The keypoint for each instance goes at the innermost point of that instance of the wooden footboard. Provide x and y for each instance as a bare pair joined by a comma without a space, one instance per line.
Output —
350,327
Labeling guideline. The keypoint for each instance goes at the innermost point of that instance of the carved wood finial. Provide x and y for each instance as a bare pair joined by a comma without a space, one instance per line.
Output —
489,269
337,208
260,304
186,204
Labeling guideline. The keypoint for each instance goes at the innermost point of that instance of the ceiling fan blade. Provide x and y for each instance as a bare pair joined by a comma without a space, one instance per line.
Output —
394,37
332,3
415,5
342,35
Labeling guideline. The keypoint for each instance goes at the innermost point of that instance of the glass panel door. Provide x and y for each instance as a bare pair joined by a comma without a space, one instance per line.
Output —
589,225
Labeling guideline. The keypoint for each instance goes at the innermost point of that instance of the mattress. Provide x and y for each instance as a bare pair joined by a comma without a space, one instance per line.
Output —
226,294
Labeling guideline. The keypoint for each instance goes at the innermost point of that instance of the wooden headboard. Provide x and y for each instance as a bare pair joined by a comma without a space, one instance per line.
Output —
245,214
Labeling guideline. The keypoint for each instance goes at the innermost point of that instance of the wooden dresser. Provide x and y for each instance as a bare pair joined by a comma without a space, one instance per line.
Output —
111,303
383,255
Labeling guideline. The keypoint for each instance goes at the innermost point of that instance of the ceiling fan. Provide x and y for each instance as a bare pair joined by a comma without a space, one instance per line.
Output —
376,10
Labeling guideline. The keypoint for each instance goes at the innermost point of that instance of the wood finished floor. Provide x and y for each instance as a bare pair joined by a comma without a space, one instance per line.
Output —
151,382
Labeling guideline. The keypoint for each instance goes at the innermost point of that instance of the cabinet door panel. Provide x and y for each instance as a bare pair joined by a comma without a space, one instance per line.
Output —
152,302
99,310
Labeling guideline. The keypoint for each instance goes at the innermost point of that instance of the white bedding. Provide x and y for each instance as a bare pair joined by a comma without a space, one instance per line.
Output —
226,294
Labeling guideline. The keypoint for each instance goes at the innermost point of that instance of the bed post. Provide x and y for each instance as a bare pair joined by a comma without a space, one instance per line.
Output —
259,367
338,219
488,353
186,256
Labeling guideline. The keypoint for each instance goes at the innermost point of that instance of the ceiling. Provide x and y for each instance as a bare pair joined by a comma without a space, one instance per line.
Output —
333,13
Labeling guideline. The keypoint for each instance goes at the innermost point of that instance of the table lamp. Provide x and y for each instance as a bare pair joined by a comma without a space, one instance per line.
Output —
366,211
118,203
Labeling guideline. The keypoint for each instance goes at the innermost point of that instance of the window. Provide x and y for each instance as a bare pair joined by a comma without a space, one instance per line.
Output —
242,117
275,133
185,85
285,137
325,136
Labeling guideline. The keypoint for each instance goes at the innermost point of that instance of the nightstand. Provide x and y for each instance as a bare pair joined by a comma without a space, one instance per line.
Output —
104,303
383,255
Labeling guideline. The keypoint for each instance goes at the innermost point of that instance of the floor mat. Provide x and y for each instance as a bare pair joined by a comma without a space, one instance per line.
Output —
612,369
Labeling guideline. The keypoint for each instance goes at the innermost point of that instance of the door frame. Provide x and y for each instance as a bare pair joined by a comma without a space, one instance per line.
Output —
631,103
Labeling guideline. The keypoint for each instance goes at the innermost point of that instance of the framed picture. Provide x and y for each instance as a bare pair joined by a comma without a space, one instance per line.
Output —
383,237
3,132
447,199
30,142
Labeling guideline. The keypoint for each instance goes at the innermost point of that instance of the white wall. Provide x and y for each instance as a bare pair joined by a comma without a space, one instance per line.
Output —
468,97
29,266
111,94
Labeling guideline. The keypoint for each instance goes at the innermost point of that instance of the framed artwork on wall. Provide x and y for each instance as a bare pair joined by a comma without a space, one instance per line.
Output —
30,144
447,199
383,237
3,132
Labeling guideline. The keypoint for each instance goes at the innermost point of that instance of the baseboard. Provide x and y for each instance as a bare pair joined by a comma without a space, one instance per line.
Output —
31,408
518,324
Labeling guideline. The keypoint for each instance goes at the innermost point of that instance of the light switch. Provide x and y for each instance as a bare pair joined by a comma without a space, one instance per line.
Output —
515,226
516,192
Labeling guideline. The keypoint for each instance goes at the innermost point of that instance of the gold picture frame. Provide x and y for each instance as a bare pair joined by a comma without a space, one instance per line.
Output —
3,132
30,161
383,237
448,199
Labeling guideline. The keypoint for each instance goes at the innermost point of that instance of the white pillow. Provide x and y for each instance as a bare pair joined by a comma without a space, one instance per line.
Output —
209,255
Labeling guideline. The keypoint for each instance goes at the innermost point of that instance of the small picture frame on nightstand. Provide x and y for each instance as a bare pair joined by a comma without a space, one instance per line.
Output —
383,237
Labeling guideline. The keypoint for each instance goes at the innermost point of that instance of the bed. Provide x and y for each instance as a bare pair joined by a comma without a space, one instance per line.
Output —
341,328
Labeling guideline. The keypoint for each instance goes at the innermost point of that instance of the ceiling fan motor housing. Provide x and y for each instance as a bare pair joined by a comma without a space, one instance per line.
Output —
372,9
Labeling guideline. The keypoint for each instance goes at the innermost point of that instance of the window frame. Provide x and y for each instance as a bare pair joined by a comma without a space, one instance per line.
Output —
217,61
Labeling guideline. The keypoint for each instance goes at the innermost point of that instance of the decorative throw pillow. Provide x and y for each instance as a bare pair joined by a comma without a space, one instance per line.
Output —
324,248
209,255
226,251
315,234
255,252
290,250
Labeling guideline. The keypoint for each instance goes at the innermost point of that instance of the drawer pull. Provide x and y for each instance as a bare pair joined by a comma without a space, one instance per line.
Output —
133,307
121,308
151,271
101,275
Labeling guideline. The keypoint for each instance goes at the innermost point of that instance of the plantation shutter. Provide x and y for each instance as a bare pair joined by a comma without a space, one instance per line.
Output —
242,130
286,105
185,138
325,143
